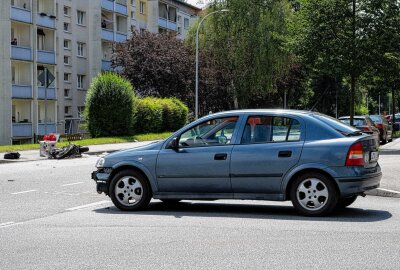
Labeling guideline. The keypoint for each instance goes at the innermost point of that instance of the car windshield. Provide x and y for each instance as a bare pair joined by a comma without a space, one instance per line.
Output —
336,124
356,121
376,118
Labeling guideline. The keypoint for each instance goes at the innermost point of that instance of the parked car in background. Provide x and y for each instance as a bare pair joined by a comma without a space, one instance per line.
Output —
396,122
385,129
363,123
314,160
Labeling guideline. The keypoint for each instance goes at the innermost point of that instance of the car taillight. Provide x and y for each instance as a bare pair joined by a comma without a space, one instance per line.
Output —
355,156
379,126
366,129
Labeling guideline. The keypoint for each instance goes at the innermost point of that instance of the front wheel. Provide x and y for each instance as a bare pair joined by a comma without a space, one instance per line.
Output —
129,190
313,194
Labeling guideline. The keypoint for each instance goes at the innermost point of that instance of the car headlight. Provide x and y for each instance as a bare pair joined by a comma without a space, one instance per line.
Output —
100,163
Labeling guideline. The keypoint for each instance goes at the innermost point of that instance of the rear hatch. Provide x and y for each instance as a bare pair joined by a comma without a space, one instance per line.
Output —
370,151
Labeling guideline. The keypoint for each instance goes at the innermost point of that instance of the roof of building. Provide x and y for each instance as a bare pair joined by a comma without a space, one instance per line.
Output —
188,5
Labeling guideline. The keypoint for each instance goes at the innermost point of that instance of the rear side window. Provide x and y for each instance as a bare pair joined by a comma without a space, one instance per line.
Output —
265,129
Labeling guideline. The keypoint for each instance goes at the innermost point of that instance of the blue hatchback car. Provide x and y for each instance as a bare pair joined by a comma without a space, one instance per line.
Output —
309,158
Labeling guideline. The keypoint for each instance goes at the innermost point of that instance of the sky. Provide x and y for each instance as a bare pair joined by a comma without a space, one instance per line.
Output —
198,3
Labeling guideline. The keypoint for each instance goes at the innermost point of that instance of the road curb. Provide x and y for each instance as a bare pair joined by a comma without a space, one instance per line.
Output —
381,192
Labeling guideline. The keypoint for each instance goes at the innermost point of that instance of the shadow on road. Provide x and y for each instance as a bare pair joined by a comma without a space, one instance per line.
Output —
205,209
384,152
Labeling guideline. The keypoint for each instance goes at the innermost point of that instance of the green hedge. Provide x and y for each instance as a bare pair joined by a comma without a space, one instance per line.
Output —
158,115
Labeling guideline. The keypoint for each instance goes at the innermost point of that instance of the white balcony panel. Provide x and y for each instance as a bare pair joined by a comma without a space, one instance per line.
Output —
22,91
107,4
51,128
121,37
162,22
22,129
46,21
21,14
21,53
121,9
107,34
51,93
106,65
46,57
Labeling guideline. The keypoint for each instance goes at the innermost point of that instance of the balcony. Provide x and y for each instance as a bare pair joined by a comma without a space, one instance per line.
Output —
21,53
45,20
51,128
107,4
121,37
106,65
122,9
51,93
21,14
167,24
172,26
107,34
22,91
46,57
22,130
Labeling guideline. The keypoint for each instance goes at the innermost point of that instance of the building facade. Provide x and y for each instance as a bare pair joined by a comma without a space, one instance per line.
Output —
69,41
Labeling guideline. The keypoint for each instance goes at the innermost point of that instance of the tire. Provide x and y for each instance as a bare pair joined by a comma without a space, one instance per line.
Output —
321,193
130,190
170,201
83,149
384,139
344,202
66,151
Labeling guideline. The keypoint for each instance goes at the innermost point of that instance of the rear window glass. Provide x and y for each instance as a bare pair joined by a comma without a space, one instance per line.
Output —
356,121
334,123
376,118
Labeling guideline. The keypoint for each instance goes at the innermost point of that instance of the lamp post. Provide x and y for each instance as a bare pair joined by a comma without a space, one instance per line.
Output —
197,60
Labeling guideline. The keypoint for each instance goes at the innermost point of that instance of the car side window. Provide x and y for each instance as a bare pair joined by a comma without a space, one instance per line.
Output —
265,129
210,133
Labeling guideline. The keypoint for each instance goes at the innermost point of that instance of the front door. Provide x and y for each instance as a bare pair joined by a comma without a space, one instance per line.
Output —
201,164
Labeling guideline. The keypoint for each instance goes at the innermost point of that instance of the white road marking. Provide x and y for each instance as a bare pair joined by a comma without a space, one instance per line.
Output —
388,190
86,205
26,191
77,183
8,224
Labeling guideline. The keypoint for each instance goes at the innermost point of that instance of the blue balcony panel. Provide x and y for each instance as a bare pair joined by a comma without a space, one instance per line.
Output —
107,34
46,57
22,91
121,9
46,21
22,129
107,4
106,65
121,37
51,128
21,14
21,53
162,22
172,26
51,93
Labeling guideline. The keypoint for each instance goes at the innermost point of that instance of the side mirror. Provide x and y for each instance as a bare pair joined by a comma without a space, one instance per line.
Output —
174,143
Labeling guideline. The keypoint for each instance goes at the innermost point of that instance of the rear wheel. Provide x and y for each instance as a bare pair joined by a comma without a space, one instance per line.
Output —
313,194
344,202
130,191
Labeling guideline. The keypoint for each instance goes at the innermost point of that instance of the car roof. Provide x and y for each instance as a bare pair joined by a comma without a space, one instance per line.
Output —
254,111
355,116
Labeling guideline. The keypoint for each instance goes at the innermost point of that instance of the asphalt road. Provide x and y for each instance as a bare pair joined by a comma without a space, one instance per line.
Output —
52,218
389,160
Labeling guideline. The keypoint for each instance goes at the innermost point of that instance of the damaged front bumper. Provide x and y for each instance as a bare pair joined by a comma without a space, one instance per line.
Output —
102,179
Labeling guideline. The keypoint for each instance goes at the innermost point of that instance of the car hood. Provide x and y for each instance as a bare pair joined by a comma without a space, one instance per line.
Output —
136,150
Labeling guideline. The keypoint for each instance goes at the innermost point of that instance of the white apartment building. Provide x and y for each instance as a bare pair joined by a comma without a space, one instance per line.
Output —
73,40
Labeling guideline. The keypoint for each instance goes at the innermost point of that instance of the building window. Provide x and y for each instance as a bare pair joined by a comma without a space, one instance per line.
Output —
67,60
66,93
141,7
67,110
132,2
186,23
179,18
81,17
81,109
81,49
66,27
67,77
67,11
80,81
67,44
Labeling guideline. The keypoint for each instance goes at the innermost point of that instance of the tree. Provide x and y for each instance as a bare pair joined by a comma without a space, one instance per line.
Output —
109,106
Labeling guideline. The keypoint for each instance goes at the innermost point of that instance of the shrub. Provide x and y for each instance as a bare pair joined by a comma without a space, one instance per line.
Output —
109,106
178,116
148,115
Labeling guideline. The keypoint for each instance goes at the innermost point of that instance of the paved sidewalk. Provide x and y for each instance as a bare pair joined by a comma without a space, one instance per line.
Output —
33,155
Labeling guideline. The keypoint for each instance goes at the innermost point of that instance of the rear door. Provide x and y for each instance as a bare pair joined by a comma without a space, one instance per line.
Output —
270,146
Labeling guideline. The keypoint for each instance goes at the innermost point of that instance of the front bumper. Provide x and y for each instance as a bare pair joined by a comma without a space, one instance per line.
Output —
356,185
102,179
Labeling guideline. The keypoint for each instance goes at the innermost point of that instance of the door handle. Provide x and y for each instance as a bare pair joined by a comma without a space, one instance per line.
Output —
285,154
221,156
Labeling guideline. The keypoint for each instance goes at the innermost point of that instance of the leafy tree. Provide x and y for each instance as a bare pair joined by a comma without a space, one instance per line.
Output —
109,106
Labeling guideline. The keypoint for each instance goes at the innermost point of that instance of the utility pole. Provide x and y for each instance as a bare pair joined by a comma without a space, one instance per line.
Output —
45,100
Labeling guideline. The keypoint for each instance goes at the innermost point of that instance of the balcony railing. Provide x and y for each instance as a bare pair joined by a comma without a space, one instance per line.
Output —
167,24
107,4
21,53
105,65
51,128
122,9
46,57
107,34
21,14
51,93
45,20
22,129
121,37
22,91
